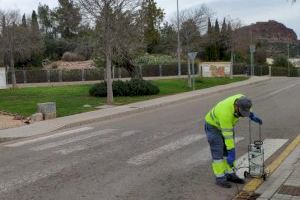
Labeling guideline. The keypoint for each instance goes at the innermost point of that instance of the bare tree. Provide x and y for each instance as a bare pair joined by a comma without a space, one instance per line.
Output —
17,42
116,22
8,46
193,24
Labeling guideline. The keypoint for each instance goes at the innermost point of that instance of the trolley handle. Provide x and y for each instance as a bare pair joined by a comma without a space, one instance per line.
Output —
250,132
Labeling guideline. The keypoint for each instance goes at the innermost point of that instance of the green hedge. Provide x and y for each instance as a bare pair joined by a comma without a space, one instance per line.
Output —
134,87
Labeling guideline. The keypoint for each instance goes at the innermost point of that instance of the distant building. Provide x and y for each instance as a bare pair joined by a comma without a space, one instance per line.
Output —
270,61
294,61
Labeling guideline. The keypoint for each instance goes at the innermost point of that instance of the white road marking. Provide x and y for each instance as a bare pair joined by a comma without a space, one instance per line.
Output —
31,177
270,147
102,141
278,91
26,178
70,150
72,140
152,155
21,143
205,154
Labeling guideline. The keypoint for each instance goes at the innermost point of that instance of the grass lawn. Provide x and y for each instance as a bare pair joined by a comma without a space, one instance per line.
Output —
70,99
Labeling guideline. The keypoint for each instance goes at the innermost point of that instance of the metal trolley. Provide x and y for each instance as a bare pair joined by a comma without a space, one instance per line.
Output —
256,160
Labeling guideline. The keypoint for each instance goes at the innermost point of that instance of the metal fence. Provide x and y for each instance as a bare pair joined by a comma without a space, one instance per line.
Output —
263,70
54,75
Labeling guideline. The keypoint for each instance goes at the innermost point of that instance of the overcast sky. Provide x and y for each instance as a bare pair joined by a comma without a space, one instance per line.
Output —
248,11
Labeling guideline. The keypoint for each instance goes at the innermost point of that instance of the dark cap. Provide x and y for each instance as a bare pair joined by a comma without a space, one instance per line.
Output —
244,104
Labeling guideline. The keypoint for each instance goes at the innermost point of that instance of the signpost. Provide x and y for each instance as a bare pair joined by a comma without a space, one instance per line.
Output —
192,56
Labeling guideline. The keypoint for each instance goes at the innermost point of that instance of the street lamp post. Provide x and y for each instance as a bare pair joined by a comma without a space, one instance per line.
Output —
288,48
252,51
178,41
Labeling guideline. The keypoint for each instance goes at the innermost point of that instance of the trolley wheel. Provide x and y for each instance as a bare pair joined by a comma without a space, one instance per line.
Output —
264,176
246,174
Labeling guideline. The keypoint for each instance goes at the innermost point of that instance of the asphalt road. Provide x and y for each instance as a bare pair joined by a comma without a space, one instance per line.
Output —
156,155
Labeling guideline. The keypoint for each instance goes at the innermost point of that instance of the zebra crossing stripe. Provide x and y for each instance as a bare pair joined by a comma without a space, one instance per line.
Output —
72,140
101,141
173,146
205,154
21,143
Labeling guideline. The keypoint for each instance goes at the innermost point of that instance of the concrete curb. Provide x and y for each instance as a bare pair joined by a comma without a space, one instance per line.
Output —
120,111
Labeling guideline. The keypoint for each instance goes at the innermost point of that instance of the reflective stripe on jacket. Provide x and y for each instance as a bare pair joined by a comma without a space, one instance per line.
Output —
222,117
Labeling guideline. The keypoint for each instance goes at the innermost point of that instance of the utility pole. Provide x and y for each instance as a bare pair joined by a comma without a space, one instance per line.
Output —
231,65
252,51
288,48
178,41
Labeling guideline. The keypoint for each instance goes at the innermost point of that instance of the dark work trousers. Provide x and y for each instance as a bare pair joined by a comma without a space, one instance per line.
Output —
218,152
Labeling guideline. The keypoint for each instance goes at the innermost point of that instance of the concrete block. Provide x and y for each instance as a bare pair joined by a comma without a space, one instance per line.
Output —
48,110
37,117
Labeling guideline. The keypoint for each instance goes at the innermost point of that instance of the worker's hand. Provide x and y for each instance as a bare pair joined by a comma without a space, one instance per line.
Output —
231,157
254,118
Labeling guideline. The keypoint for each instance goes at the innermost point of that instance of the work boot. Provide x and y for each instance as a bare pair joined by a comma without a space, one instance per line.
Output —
235,179
223,183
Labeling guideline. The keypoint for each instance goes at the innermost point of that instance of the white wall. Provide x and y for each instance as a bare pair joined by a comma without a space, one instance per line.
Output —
216,69
2,78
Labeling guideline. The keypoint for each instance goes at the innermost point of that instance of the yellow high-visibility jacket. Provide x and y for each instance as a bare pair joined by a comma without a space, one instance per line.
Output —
222,117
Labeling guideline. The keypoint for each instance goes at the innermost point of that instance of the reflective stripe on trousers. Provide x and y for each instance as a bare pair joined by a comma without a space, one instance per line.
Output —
218,151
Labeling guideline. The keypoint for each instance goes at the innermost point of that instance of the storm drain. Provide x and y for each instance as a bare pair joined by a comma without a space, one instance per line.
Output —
290,190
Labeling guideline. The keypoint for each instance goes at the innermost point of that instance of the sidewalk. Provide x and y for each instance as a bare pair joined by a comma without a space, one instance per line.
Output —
284,183
104,114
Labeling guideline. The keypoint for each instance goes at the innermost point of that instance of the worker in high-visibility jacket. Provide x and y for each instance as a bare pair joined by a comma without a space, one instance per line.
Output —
219,128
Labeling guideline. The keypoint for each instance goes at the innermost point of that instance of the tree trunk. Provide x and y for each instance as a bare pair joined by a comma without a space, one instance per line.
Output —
13,73
110,96
108,52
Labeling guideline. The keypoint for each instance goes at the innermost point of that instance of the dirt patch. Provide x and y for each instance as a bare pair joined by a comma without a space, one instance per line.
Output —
7,121
89,64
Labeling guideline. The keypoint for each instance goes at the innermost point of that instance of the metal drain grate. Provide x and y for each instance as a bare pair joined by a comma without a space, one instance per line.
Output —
290,190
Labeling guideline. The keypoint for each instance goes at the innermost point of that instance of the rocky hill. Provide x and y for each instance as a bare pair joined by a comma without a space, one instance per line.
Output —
272,36
271,31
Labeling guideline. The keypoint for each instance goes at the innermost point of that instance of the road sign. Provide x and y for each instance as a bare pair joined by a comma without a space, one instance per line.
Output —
192,55
252,48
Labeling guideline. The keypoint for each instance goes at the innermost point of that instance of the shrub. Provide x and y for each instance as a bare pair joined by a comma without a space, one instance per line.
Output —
134,87
98,90
120,88
70,57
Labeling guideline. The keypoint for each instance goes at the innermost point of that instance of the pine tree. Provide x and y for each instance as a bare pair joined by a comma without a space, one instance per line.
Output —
68,17
217,41
224,27
45,18
209,27
34,22
217,27
24,22
153,16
